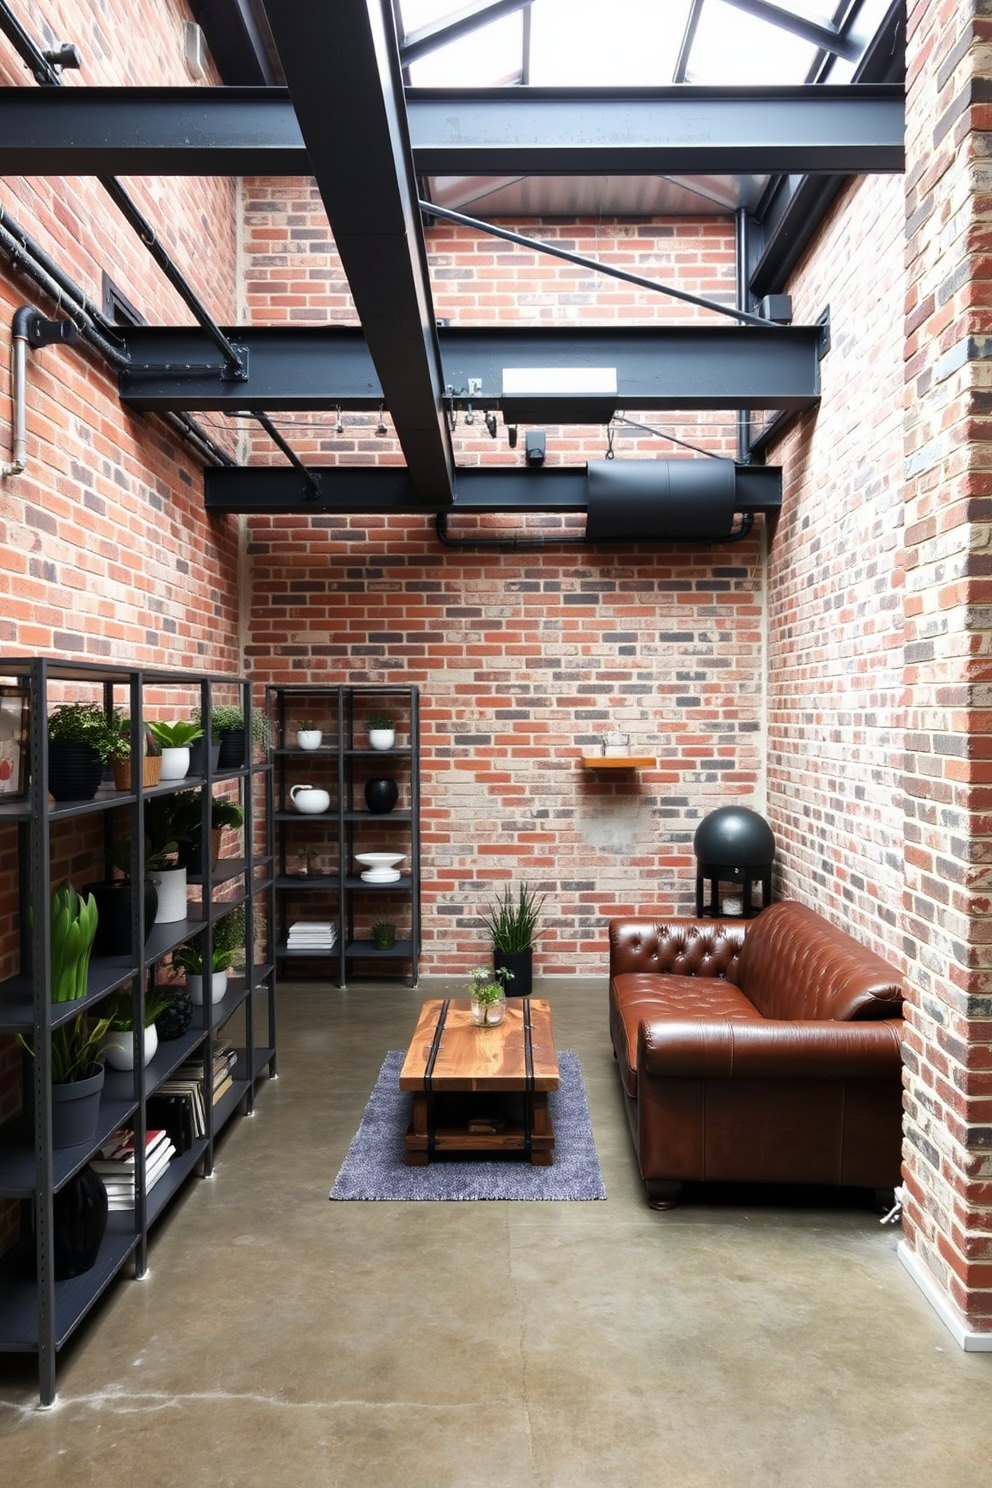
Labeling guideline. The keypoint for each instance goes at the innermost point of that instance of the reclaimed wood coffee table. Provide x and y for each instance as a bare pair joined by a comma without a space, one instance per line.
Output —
481,1090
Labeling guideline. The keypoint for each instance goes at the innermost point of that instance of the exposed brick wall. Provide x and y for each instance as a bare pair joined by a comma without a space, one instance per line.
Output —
522,656
835,585
105,550
947,911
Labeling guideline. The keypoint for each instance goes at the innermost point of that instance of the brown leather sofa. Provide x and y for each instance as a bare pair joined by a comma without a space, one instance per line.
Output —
764,1050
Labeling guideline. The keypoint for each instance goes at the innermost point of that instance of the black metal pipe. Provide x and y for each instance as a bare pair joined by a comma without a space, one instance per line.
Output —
62,292
136,219
56,272
39,65
593,264
286,448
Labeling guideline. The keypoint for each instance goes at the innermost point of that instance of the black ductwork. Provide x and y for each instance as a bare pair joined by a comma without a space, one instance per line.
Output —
661,500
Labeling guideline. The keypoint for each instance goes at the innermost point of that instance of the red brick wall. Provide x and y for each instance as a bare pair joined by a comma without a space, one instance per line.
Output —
835,586
523,656
947,914
105,550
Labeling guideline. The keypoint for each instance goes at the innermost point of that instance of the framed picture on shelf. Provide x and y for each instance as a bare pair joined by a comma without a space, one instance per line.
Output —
13,742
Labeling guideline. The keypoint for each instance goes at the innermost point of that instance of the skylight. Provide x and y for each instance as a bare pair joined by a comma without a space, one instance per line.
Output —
617,43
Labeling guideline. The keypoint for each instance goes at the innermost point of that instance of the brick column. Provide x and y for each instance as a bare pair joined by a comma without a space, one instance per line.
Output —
948,763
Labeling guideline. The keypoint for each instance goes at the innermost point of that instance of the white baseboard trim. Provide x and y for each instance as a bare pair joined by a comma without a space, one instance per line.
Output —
972,1343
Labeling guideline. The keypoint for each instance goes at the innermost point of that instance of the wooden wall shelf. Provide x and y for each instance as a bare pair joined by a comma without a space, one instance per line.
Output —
618,762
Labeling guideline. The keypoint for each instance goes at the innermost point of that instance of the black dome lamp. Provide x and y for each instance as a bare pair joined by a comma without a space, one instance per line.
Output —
733,845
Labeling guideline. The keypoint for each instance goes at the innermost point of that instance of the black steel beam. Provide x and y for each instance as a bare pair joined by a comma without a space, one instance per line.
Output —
343,72
382,489
657,367
502,131
703,131
235,40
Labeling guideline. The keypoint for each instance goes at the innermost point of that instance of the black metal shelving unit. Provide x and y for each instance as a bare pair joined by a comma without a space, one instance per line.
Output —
37,1312
341,765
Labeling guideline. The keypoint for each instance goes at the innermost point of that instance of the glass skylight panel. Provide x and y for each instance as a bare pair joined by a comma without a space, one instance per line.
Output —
621,43
732,47
488,56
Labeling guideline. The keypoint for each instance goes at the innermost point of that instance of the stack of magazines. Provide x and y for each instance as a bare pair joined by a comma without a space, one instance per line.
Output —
312,935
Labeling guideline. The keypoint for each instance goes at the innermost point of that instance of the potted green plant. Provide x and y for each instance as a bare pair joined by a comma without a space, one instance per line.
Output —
151,761
383,935
309,733
228,936
118,1041
511,922
81,739
227,723
187,817
165,831
175,740
72,927
77,1078
381,732
487,994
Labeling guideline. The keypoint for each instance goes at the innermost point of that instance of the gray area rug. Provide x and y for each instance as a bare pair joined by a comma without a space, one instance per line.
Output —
375,1169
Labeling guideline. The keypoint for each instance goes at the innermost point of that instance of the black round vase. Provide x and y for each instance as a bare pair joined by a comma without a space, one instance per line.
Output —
521,963
113,910
75,771
381,796
79,1213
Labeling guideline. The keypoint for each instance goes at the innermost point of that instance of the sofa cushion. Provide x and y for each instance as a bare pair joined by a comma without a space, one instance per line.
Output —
796,965
638,997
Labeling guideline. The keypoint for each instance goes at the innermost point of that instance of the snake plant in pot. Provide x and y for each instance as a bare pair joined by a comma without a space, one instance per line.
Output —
512,923
76,1067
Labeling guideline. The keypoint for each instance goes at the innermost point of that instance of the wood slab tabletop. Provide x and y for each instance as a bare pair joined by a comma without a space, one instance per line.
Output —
472,1058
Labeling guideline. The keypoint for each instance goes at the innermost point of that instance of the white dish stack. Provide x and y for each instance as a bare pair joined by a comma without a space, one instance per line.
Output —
380,868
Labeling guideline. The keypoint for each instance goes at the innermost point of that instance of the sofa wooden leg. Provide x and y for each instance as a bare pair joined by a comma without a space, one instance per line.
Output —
663,1193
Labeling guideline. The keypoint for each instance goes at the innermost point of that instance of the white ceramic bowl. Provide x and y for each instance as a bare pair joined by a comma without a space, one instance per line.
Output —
381,875
310,799
379,860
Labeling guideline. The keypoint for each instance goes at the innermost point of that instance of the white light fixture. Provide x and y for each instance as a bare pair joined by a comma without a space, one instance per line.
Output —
194,50
588,395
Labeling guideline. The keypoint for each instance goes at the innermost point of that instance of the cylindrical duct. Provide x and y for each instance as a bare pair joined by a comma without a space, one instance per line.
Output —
661,500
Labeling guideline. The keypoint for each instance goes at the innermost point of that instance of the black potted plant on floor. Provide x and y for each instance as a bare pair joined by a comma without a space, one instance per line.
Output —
511,923
81,739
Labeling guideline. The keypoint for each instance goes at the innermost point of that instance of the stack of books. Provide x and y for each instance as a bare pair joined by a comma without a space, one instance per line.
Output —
311,935
116,1164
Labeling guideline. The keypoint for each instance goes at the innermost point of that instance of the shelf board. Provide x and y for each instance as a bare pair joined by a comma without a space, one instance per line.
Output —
17,1165
618,762
364,950
172,1180
73,1298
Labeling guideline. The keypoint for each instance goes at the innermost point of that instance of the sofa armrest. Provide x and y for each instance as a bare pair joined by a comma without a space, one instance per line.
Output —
680,947
717,1049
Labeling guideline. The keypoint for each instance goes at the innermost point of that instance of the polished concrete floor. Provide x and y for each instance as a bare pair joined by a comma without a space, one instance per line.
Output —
280,1339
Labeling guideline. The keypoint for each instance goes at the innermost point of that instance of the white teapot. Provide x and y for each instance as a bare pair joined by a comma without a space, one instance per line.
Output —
310,799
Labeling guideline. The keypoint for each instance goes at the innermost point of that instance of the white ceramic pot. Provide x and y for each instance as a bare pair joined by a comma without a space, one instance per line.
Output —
118,1047
309,738
171,886
194,986
382,738
309,799
175,763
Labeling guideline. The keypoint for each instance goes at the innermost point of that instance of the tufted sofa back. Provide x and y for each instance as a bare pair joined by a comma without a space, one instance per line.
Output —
796,965
702,948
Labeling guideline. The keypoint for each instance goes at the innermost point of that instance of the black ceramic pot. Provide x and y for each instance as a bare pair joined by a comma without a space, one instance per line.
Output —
75,771
113,908
79,1212
381,796
232,749
197,759
521,963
